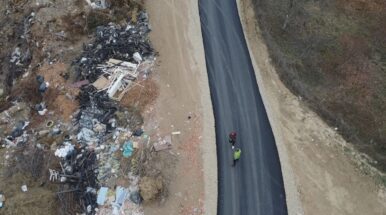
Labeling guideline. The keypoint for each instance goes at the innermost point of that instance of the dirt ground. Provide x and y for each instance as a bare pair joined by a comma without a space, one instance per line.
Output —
52,39
179,82
331,177
181,107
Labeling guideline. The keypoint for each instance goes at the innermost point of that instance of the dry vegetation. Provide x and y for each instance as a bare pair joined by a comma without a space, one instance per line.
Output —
141,95
333,53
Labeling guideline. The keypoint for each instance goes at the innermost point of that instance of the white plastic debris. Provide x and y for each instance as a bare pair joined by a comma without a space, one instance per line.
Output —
15,55
24,188
64,151
26,123
176,132
86,135
43,112
83,60
2,200
137,57
54,175
98,4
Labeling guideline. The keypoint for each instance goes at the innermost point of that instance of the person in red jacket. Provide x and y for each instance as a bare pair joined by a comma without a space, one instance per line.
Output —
232,138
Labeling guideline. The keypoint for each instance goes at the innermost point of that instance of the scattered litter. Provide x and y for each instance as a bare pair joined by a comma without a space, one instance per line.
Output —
137,57
24,188
43,87
65,151
87,148
102,193
135,197
41,108
127,149
2,200
49,124
98,4
164,144
138,132
120,195
87,135
78,172
54,175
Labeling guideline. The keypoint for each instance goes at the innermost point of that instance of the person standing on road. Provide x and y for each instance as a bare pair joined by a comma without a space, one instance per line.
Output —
236,156
232,138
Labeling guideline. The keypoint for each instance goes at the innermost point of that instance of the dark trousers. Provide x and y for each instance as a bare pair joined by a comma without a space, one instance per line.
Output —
232,141
234,162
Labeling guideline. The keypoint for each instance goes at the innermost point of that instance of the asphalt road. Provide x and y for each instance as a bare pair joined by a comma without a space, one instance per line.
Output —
255,185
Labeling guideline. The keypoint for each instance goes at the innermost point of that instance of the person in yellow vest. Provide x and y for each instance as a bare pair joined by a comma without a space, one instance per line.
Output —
236,156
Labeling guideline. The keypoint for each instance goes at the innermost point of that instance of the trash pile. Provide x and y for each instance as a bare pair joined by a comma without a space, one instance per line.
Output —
127,46
97,152
89,155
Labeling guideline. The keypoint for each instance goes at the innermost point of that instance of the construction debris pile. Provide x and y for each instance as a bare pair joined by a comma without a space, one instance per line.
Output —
106,70
95,149
126,46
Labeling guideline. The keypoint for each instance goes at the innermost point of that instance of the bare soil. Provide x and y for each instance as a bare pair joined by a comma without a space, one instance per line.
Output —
181,107
332,53
330,175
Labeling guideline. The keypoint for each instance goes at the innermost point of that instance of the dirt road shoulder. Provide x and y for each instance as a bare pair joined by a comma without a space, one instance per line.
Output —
184,90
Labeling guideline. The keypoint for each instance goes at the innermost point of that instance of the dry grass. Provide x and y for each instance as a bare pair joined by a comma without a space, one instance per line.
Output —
332,53
141,95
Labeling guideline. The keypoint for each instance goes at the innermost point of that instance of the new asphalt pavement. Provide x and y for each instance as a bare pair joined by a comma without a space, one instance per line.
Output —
255,185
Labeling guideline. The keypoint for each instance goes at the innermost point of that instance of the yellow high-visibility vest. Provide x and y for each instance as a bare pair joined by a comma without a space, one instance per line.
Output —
237,154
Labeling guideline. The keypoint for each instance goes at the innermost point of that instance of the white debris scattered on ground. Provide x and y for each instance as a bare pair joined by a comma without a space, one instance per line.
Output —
65,150
98,4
